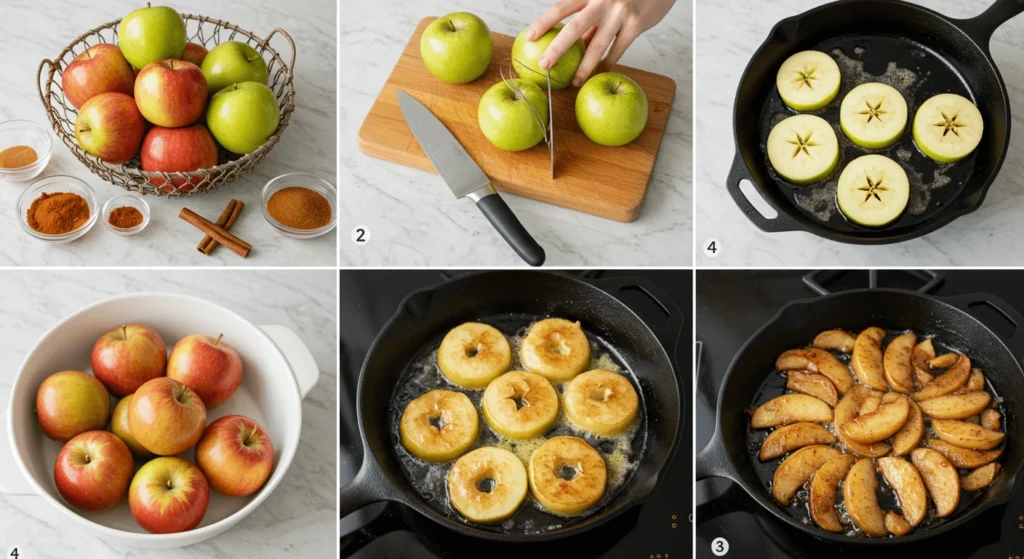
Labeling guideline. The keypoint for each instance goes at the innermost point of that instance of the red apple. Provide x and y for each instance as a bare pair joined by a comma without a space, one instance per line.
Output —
209,366
127,356
100,69
168,495
170,150
119,426
171,93
93,471
195,54
69,403
166,417
236,455
110,127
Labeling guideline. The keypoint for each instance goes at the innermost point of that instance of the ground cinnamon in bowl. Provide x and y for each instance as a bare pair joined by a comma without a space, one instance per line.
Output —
58,213
17,157
298,207
125,217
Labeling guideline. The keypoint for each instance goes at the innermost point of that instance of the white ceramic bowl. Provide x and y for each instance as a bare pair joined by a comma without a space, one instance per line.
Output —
278,372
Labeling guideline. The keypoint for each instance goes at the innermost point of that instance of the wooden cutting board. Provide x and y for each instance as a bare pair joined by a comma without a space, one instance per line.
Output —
605,181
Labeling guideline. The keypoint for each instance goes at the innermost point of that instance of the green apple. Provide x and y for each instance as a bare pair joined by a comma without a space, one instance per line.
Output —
506,118
243,116
526,60
233,62
611,109
151,34
457,48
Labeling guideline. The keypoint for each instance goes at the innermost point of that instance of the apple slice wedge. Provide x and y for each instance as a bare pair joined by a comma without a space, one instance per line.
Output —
975,383
845,411
794,471
877,425
940,478
960,406
813,384
966,435
906,482
980,478
898,364
839,340
990,420
947,383
944,361
964,457
869,405
791,437
822,499
861,499
820,361
790,408
896,524
909,436
867,358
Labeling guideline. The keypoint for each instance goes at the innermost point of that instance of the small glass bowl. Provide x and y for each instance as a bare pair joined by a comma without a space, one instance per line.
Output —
54,184
304,180
126,200
25,133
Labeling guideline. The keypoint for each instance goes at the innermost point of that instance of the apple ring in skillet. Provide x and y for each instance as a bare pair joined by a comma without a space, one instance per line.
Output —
601,402
567,476
439,426
472,354
487,485
555,348
520,405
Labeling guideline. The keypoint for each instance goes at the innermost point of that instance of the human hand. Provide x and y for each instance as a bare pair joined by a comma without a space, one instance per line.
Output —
598,23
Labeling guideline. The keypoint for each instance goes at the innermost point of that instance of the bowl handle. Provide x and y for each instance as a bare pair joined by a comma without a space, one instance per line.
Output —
12,482
266,42
306,371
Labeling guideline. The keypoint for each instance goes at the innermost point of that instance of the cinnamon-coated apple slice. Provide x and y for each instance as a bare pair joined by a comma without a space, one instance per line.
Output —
896,524
960,406
980,478
845,411
940,478
947,383
966,435
839,340
897,363
790,408
944,361
975,382
813,384
792,437
964,457
822,499
906,482
923,353
820,361
909,436
877,425
861,499
794,471
990,419
870,404
867,358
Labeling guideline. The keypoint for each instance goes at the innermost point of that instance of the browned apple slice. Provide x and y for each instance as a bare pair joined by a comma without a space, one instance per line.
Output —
846,410
794,471
906,482
909,436
859,495
990,419
980,478
823,492
940,478
792,437
877,425
943,361
839,340
896,524
867,358
813,384
966,435
960,406
869,405
947,383
790,408
897,363
964,457
820,361
922,378
976,381
923,353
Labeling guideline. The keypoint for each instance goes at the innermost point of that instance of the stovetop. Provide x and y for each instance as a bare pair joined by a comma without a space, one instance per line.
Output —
659,528
731,306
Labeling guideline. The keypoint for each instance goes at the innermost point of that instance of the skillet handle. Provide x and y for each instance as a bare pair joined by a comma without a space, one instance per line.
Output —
714,461
739,173
369,486
981,27
1014,341
670,332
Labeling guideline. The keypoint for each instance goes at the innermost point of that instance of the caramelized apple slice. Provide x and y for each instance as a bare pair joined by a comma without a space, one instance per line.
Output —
792,437
943,361
823,492
947,383
940,478
839,340
896,524
790,408
990,419
813,384
845,411
794,471
966,435
909,436
878,425
980,478
897,363
906,482
960,406
867,358
859,495
964,457
820,361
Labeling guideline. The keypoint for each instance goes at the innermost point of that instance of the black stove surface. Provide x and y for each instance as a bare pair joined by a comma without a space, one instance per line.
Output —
659,528
731,306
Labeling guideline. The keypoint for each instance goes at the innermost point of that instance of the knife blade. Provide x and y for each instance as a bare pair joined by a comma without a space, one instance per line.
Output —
465,178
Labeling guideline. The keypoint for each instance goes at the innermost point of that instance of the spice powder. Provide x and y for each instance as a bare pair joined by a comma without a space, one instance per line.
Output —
58,213
298,207
125,217
17,157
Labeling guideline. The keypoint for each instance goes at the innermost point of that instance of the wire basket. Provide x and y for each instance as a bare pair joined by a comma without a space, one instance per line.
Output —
207,32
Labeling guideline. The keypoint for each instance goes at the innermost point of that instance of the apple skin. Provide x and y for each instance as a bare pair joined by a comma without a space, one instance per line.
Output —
110,127
233,62
526,60
166,417
457,48
100,69
169,150
119,426
70,403
93,470
195,54
168,495
151,34
171,93
243,116
124,358
505,118
208,366
611,109
236,455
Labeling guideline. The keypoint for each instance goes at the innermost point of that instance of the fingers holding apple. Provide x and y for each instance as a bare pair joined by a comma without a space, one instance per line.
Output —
119,426
168,495
236,455
150,34
527,56
510,120
100,69
110,126
243,116
171,93
457,48
177,150
124,358
69,403
233,62
93,470
166,417
611,109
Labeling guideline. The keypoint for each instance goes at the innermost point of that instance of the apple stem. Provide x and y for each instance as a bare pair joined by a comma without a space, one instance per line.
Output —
124,331
169,485
452,25
217,341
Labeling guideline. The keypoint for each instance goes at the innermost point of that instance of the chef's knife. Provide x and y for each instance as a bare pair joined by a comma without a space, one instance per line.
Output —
465,178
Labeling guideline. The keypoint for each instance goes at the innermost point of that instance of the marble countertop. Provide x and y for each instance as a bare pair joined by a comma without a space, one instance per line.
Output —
34,33
298,519
728,33
413,218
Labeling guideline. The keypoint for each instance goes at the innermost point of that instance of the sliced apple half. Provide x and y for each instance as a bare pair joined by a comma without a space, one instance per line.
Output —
845,411
964,457
948,127
839,340
791,437
873,115
940,478
944,361
906,482
980,478
896,524
790,408
817,360
898,364
813,384
947,383
794,471
873,190
808,80
990,419
822,499
966,435
959,406
803,149
861,499
877,425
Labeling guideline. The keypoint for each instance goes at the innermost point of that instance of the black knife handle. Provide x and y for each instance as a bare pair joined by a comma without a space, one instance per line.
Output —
506,222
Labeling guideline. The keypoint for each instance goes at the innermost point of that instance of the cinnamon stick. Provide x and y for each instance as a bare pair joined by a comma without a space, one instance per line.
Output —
236,245
226,220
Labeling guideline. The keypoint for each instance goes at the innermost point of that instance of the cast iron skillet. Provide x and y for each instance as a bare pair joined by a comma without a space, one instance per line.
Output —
796,324
428,313
949,56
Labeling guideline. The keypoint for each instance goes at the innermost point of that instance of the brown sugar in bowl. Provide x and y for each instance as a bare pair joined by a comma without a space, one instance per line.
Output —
300,205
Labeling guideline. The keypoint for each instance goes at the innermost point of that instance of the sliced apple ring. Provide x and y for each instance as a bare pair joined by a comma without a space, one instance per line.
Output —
896,524
909,436
820,361
873,115
940,478
964,457
877,425
897,363
791,437
948,127
990,419
867,358
947,383
808,80
980,478
960,406
847,410
794,471
861,499
813,384
906,482
873,191
803,149
790,408
822,499
839,340
966,435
